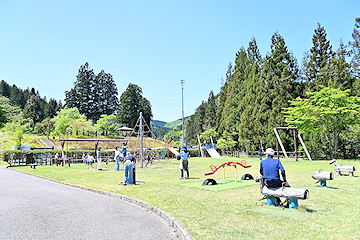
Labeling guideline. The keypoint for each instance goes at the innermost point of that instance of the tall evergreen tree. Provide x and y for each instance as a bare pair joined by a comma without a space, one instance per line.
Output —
3,118
210,112
18,97
106,100
320,55
338,71
5,89
282,73
51,108
131,104
230,116
33,110
355,53
92,94
254,52
82,95
223,96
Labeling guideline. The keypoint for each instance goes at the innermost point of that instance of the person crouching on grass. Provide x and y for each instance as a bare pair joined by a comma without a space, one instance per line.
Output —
183,156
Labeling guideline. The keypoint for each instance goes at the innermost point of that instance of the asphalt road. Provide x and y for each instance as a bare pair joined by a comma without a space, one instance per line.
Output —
34,208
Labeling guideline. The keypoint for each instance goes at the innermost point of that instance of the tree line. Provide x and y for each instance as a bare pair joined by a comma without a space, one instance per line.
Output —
263,92
91,105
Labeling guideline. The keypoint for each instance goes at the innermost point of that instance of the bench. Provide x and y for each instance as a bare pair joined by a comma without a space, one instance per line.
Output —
32,165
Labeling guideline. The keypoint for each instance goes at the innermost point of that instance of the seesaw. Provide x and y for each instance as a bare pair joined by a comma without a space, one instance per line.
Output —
234,164
322,176
291,194
338,169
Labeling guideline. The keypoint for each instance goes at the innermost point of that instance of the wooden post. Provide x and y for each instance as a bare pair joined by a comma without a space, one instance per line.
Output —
96,146
212,142
201,151
62,142
235,173
303,144
281,145
295,145
277,148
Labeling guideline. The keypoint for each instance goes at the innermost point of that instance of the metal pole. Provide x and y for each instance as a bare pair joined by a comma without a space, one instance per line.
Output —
182,100
67,137
141,140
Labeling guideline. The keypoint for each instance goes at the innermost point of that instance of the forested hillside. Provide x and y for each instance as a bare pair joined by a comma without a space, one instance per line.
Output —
260,93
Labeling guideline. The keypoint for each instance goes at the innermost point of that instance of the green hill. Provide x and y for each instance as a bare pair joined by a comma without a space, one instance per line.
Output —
174,124
159,123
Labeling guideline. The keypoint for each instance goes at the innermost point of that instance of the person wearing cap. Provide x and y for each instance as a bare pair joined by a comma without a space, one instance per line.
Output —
99,158
128,167
269,168
183,156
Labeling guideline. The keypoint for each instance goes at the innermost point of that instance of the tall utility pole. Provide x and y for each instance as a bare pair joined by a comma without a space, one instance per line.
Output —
182,99
141,140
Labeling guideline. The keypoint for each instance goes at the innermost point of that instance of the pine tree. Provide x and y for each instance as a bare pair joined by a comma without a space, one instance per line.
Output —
3,118
51,108
105,96
5,89
355,52
338,71
254,52
82,95
131,104
230,111
320,55
33,110
210,112
92,94
223,97
18,97
282,73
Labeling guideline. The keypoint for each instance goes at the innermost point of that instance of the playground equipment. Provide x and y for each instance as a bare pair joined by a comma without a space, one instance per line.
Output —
291,194
209,148
209,181
141,130
338,168
278,141
234,164
322,176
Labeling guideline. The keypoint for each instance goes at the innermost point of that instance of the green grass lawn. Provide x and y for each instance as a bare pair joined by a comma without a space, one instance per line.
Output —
234,212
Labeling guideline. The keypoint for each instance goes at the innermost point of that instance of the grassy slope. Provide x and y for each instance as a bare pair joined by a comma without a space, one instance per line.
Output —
330,213
7,140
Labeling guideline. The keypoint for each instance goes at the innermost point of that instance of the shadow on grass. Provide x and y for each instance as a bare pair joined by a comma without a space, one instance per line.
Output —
308,210
302,214
327,187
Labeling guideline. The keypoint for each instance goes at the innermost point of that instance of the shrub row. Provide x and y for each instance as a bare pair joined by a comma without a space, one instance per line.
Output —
19,157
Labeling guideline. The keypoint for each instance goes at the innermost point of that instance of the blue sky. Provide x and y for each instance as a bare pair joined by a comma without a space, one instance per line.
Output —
154,44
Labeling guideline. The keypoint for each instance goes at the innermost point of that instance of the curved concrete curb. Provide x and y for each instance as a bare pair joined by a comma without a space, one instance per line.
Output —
166,216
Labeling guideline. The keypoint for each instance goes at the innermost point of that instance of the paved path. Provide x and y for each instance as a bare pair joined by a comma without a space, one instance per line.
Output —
34,208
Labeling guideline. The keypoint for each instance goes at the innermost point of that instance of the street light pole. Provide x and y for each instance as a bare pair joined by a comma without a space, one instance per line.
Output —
182,100
67,137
